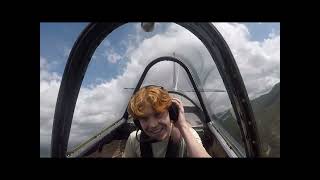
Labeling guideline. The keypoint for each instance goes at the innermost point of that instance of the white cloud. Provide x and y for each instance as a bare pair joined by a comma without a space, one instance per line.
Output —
49,86
109,52
66,51
259,64
273,33
112,56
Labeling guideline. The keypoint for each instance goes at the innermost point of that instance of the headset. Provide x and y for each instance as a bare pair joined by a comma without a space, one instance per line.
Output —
173,114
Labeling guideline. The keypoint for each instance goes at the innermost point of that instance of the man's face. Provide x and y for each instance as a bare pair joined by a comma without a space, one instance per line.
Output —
156,125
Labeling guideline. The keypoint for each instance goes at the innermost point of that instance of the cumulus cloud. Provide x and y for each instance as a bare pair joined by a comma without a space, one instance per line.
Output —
49,86
112,56
110,53
102,104
258,62
66,51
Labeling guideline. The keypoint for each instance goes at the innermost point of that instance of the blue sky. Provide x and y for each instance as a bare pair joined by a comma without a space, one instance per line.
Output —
260,31
56,40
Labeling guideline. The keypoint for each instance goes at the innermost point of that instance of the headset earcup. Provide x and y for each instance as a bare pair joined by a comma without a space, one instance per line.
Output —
170,112
173,112
137,123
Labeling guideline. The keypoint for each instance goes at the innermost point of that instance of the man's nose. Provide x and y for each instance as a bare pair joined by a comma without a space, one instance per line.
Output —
152,123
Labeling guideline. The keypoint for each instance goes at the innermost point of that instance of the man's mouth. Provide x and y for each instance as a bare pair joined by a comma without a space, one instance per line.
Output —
157,131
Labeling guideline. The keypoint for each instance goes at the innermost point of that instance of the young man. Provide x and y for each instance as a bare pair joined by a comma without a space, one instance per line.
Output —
150,107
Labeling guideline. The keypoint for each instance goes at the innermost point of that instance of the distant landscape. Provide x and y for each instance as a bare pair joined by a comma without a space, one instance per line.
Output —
266,110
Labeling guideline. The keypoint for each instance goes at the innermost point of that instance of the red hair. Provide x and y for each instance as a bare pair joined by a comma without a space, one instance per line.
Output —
156,97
